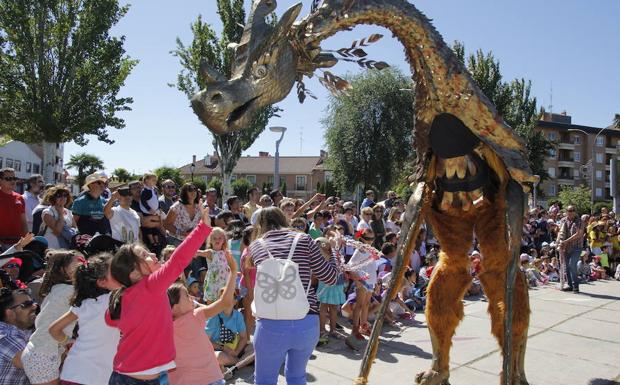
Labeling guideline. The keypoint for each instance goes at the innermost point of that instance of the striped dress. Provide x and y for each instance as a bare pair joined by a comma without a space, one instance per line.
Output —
307,256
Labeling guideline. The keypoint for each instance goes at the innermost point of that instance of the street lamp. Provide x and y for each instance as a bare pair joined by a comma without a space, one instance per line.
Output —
276,172
592,159
192,167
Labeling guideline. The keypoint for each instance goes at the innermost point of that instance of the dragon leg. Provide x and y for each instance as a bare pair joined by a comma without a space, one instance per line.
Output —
504,285
449,282
413,215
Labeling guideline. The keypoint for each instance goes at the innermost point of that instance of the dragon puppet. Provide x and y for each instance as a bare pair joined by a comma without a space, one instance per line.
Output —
471,173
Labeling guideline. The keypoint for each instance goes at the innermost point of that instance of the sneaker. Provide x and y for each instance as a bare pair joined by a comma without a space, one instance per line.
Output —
323,339
576,291
567,288
339,327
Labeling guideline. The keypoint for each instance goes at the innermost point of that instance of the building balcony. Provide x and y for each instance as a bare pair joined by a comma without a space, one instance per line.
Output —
565,180
566,163
607,168
611,150
566,146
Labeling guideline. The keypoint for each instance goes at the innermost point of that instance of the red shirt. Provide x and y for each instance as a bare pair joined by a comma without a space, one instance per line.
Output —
147,339
12,207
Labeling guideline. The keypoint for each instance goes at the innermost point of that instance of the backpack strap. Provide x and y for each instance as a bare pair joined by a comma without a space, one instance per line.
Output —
293,246
264,244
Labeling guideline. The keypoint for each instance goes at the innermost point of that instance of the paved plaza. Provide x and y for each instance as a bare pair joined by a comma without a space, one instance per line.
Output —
573,339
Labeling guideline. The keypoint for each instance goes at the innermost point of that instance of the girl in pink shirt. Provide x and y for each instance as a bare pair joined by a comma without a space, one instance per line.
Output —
141,311
196,361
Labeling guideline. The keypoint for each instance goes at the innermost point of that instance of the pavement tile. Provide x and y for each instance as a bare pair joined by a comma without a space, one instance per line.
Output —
590,328
604,314
577,347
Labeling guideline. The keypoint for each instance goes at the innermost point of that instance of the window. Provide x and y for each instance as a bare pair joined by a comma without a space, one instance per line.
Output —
576,139
551,172
552,153
575,173
599,175
599,141
1,161
233,178
300,182
599,158
551,136
551,190
251,178
36,168
599,192
205,178
577,156
17,165
270,180
9,162
282,181
28,167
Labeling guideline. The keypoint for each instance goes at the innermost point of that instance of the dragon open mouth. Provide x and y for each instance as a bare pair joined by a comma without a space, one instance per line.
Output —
462,180
238,112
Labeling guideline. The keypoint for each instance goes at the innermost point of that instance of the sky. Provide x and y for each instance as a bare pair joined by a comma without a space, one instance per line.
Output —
567,48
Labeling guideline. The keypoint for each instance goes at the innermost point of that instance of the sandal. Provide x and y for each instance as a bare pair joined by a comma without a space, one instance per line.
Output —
323,339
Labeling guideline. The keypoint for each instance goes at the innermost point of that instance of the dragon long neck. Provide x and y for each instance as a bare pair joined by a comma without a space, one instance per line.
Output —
442,84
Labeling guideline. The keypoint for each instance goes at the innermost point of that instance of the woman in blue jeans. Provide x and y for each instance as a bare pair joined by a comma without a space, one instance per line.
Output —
287,341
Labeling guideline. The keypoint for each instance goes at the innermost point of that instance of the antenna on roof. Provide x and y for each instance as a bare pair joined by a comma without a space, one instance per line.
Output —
551,99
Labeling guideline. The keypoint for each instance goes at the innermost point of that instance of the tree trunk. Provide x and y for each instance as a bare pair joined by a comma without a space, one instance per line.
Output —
49,163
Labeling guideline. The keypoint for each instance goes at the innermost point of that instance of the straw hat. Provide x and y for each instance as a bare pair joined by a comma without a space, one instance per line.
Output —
94,177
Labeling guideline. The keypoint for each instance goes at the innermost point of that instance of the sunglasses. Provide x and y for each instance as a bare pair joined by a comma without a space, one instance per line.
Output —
10,178
24,305
12,266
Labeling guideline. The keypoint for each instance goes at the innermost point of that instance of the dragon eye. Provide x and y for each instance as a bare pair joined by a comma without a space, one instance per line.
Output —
260,71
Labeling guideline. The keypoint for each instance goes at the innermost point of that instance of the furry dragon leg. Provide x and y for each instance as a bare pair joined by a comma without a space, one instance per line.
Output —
503,284
450,280
406,244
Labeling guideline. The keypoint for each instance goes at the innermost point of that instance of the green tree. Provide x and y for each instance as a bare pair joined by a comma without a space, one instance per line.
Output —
61,71
514,103
166,172
368,130
85,164
122,174
241,187
216,183
207,46
200,184
578,197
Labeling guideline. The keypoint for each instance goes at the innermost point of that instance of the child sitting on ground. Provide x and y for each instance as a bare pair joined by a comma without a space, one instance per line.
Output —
584,272
549,270
230,337
598,271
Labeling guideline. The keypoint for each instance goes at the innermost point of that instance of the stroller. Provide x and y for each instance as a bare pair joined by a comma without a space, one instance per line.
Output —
89,245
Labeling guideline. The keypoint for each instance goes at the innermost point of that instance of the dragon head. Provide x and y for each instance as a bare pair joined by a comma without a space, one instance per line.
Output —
264,71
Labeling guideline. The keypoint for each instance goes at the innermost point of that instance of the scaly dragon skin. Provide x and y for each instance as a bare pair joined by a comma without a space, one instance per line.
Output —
467,155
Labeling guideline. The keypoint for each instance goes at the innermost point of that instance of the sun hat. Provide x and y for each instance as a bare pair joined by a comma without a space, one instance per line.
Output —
524,257
545,244
94,177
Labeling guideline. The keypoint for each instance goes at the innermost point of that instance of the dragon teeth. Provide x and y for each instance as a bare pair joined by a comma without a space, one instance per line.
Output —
440,167
471,166
461,168
451,166
446,202
465,201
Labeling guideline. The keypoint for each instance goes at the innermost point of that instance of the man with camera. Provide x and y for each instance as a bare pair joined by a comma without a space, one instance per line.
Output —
124,221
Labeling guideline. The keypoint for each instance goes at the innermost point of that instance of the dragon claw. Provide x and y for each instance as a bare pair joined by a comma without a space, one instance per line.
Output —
432,377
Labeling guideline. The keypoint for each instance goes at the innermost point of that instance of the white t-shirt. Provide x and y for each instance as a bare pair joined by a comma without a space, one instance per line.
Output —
90,359
362,225
52,240
55,304
370,268
31,202
125,224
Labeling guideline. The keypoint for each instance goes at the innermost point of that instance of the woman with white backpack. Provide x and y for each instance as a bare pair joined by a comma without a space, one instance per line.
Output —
285,305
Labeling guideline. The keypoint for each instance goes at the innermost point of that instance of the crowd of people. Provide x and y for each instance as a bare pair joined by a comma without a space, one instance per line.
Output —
154,283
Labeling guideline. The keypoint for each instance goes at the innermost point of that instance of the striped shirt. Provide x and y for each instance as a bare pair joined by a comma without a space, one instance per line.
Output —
307,256
569,228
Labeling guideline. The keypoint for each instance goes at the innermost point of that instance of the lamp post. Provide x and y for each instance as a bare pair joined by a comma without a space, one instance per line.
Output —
192,167
593,159
276,172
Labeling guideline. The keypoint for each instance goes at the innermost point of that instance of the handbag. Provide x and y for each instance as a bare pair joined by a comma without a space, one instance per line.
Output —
279,293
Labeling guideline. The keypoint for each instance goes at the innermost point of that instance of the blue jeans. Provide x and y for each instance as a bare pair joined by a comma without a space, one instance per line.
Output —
289,342
121,379
572,257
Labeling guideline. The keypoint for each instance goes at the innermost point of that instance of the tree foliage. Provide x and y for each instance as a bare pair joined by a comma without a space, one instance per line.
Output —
368,130
206,45
166,172
216,183
121,174
241,187
60,70
85,164
578,197
513,101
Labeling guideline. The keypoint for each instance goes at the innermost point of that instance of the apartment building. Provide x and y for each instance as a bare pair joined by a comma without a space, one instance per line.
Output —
581,155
